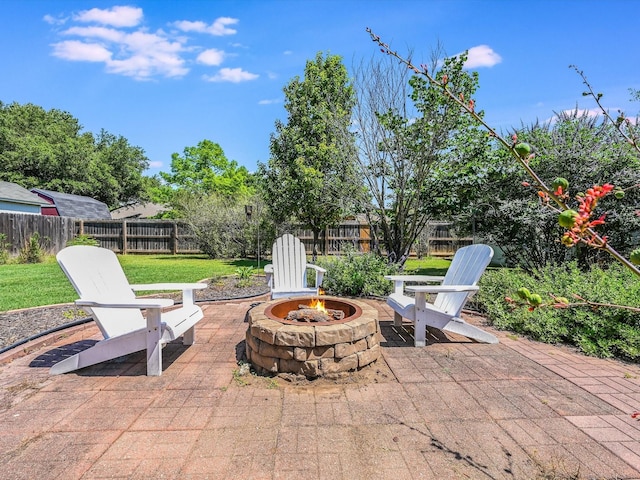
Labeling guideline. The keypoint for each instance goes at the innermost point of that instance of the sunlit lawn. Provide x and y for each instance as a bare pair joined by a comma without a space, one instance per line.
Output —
32,285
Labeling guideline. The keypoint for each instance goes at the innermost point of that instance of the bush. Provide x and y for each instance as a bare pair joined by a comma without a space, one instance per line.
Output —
357,275
4,249
32,252
602,332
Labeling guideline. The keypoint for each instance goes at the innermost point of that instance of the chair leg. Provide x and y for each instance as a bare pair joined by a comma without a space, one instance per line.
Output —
397,319
154,347
420,333
189,337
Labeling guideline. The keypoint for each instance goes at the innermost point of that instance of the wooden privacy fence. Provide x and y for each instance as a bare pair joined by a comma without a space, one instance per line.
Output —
19,227
140,236
172,237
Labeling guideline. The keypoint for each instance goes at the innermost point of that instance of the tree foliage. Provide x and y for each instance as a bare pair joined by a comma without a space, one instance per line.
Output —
48,150
407,129
584,150
311,174
205,169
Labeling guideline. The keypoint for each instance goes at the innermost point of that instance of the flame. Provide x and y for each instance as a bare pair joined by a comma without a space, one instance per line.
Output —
318,305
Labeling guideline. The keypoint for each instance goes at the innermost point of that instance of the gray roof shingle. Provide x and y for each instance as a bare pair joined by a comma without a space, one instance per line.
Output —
12,192
76,206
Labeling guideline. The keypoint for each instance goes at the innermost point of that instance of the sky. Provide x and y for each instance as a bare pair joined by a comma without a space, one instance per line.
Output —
168,74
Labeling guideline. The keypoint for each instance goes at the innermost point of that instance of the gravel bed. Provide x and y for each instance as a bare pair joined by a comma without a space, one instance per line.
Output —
19,325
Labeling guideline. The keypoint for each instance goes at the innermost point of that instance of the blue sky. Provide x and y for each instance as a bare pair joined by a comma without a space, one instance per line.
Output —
168,74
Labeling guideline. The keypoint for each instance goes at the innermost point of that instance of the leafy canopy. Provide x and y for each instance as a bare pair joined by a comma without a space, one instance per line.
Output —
48,150
311,174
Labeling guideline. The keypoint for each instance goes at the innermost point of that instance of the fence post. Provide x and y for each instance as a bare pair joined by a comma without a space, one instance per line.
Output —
174,239
124,237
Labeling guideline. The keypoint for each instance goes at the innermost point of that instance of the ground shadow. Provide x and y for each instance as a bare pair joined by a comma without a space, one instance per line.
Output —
133,364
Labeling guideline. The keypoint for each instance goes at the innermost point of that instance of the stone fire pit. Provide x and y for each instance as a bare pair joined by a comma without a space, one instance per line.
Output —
312,349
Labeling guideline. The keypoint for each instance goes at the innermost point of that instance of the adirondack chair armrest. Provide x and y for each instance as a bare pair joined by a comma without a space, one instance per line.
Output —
268,272
441,288
400,280
141,303
187,289
319,273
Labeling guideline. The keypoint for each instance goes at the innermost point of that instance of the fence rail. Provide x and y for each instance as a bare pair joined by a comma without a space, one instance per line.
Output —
172,237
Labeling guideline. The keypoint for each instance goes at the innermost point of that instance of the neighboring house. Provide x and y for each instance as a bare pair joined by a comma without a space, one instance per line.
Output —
68,205
16,199
138,210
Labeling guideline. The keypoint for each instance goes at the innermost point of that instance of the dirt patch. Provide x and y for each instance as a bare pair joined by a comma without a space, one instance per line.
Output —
376,372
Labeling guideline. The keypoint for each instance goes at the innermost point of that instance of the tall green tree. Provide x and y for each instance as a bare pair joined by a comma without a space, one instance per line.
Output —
406,136
205,169
312,173
47,149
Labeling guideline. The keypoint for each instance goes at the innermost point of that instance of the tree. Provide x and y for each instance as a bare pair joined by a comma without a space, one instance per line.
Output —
47,149
585,151
406,132
205,169
312,171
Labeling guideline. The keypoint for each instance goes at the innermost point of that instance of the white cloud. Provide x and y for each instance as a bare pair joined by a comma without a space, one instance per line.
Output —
106,36
482,56
139,54
211,56
51,20
233,75
81,52
118,16
217,28
156,164
269,101
287,52
103,33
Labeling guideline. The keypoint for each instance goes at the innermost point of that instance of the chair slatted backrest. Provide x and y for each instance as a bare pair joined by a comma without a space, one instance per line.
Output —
467,266
289,263
96,274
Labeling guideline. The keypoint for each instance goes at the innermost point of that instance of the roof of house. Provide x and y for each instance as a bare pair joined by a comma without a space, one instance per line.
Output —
12,192
77,206
138,210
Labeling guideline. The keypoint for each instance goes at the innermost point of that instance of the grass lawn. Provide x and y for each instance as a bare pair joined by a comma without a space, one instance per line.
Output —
33,285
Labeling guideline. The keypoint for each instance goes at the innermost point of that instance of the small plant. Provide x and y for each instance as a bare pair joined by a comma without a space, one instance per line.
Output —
244,276
32,252
83,239
241,372
357,274
74,314
4,249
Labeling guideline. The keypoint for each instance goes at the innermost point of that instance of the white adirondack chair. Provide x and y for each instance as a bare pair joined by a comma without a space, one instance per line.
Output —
107,296
457,286
287,274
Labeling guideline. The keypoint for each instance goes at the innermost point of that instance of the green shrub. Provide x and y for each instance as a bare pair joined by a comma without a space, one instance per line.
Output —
83,240
603,331
244,276
357,274
4,249
32,252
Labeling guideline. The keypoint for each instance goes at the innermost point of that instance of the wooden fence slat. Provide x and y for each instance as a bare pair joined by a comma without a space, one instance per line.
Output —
171,237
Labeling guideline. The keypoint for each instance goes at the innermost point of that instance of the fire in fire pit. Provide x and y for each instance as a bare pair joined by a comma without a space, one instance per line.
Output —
315,312
312,310
294,336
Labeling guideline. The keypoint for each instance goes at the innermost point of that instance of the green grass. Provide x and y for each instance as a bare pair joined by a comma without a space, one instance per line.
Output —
426,266
33,285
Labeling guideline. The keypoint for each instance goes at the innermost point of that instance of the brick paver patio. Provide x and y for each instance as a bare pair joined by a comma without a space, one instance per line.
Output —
453,409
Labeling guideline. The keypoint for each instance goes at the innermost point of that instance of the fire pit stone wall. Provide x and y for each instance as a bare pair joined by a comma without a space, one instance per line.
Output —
314,349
